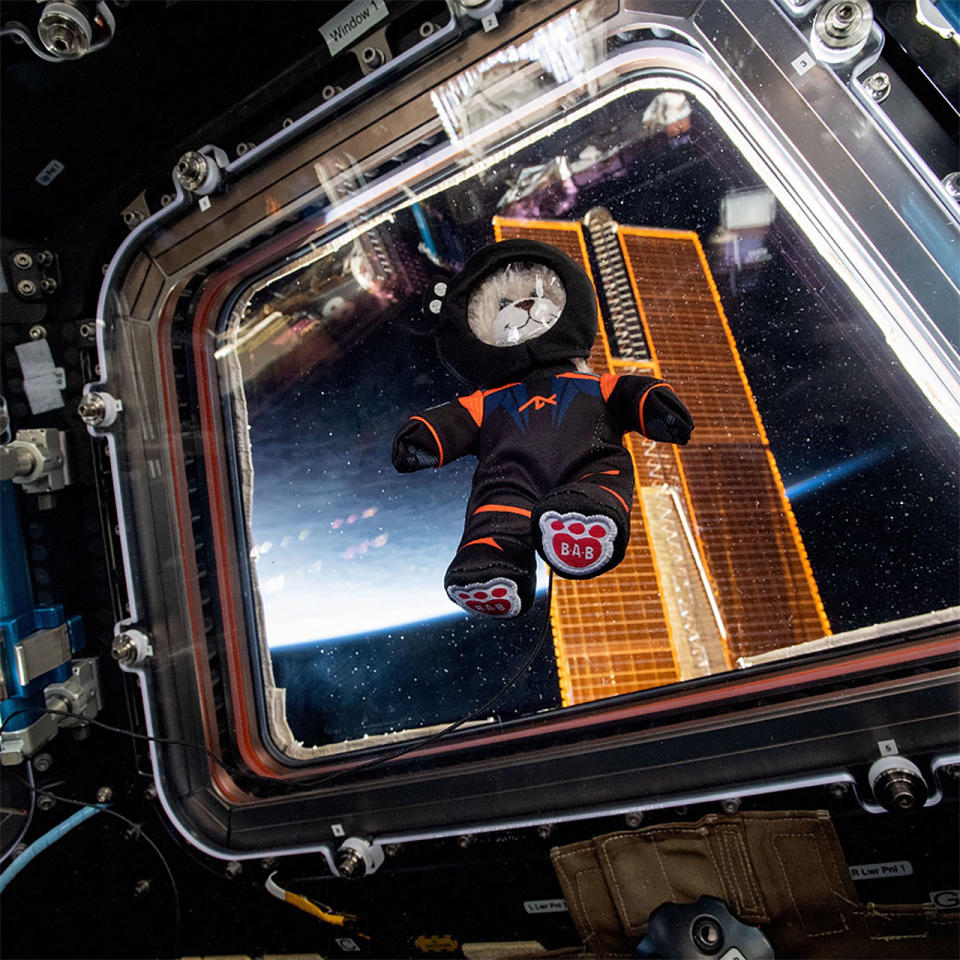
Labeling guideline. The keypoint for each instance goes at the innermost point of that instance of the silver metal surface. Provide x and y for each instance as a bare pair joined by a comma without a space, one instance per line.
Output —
358,857
192,170
79,695
198,172
131,647
877,86
16,745
97,408
45,449
65,31
840,30
104,794
41,652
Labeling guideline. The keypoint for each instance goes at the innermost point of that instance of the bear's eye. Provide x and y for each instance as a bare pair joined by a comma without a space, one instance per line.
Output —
505,302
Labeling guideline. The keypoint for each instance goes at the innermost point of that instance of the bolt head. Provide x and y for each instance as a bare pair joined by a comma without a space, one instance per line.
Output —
877,86
233,869
48,285
22,260
45,802
634,819
44,258
192,170
839,790
730,805
37,332
92,410
952,184
349,863
124,647
42,762
104,795
26,288
150,792
952,770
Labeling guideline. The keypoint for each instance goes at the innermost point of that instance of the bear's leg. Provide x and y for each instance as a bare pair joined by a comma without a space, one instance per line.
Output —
582,528
494,571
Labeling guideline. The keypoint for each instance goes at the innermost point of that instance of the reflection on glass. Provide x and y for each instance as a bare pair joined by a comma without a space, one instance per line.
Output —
326,355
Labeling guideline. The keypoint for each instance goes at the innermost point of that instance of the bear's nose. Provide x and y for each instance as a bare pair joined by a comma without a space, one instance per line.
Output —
524,304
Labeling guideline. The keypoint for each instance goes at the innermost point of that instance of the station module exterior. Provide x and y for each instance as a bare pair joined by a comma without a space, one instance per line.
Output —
716,568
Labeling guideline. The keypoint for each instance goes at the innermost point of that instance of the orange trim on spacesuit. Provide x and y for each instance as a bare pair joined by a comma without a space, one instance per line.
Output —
435,437
473,404
502,508
644,397
617,495
487,540
607,382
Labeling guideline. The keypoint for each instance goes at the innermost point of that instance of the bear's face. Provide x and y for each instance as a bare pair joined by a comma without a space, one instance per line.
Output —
518,302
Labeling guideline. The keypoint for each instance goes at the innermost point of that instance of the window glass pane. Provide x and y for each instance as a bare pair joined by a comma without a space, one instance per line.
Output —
816,496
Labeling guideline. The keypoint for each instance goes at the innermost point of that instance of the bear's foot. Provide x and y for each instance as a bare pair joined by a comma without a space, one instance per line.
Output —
580,536
493,577
498,597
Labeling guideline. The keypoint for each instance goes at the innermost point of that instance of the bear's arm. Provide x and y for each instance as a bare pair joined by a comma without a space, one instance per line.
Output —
434,437
649,406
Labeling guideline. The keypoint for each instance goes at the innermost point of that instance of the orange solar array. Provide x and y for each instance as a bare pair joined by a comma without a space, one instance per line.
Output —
763,582
715,566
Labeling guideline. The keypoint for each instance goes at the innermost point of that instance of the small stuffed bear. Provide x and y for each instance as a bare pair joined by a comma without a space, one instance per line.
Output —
553,476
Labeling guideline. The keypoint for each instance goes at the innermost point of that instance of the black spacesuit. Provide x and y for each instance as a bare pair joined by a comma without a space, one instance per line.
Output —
552,473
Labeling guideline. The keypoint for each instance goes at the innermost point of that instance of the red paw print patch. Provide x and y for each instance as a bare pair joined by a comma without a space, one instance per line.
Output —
575,544
495,598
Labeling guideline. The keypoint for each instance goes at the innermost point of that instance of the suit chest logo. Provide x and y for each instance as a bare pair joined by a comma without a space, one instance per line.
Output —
540,402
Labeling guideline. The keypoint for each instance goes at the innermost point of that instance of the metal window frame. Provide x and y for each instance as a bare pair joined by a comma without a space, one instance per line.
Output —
844,157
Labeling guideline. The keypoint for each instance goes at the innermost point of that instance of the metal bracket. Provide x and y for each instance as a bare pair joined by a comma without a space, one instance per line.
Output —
41,652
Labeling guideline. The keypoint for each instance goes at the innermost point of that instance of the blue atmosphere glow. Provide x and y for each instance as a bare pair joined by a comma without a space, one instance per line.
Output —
831,475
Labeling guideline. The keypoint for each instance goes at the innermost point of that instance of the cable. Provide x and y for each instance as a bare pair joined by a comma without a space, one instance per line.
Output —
376,761
26,826
101,808
466,718
86,721
47,840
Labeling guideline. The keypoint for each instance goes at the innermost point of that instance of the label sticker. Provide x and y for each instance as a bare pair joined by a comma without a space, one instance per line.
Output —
880,871
337,829
802,64
340,31
49,173
544,906
204,203
40,382
945,899
733,954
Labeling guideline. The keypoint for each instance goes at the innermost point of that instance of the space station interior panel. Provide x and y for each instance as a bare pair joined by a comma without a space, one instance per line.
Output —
758,235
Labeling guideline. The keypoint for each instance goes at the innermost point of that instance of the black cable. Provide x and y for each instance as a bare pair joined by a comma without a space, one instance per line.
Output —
346,771
42,791
86,721
432,738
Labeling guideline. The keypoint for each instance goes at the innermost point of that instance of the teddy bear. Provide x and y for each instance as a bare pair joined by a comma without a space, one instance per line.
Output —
552,477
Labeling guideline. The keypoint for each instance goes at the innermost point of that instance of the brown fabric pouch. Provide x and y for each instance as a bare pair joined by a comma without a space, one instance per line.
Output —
784,872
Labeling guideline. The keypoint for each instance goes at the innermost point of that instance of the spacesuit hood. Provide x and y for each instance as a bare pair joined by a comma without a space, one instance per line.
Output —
485,365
